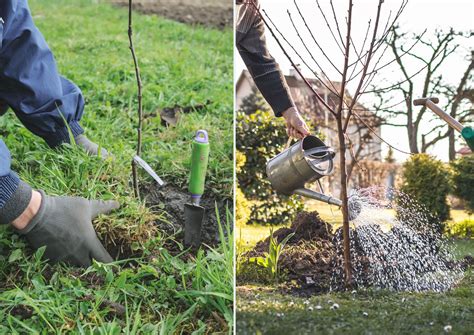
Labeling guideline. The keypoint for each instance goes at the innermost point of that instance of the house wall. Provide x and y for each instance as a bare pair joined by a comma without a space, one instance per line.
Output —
244,89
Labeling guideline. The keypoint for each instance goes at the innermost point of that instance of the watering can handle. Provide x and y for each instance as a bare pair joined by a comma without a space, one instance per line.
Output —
318,150
288,143
330,166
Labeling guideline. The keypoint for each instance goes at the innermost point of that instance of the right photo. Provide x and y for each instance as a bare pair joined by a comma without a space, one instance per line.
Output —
354,166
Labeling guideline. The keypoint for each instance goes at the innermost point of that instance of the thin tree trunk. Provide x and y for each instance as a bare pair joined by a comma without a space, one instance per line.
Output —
139,96
452,147
412,139
344,198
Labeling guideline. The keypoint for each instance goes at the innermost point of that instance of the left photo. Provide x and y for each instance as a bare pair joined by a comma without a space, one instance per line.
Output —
116,166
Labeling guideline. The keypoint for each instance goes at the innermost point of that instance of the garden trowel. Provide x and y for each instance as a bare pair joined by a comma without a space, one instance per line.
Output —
193,212
466,132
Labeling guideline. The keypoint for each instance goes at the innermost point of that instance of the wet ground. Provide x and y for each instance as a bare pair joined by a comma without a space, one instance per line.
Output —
209,13
312,260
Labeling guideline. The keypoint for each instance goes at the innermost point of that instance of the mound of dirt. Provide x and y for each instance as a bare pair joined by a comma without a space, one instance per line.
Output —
170,200
209,13
309,255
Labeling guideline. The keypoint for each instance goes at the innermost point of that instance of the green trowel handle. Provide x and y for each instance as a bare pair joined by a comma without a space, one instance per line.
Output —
468,134
199,160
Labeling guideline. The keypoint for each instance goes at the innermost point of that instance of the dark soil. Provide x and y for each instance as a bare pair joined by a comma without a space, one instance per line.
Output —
209,13
171,200
309,255
22,312
170,115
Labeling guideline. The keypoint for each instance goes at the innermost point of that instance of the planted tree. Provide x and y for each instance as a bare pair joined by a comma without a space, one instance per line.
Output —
139,97
357,65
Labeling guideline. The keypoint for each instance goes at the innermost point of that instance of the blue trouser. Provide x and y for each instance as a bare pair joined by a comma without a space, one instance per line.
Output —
32,87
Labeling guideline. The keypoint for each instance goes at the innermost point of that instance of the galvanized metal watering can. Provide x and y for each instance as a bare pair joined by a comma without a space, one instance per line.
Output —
306,161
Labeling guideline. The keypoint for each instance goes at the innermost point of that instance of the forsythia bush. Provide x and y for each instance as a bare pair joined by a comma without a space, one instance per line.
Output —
242,210
463,229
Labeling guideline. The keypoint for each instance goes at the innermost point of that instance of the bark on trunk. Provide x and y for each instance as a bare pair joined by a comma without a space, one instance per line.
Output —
345,210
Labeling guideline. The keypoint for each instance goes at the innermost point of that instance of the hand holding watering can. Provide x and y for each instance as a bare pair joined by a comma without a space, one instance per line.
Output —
306,161
296,127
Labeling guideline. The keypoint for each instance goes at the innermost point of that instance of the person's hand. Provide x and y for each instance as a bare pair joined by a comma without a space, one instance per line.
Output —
64,226
296,127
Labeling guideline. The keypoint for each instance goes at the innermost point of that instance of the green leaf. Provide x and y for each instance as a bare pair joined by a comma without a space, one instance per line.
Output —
15,255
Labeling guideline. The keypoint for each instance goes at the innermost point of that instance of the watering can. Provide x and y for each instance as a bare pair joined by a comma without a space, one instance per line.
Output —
306,161
466,132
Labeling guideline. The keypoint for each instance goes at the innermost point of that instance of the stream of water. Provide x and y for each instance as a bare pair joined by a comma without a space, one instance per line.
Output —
395,245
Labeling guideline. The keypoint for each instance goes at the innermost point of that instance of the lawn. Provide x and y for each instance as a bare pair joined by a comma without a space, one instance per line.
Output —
265,309
261,310
162,290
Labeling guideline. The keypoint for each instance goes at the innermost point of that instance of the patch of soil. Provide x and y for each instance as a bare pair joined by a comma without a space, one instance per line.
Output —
209,13
170,200
22,312
171,115
309,255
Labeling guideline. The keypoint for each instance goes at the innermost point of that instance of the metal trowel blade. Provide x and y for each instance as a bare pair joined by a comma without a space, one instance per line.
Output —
193,219
149,170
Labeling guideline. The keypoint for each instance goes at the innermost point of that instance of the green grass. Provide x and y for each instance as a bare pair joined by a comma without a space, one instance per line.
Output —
160,292
264,310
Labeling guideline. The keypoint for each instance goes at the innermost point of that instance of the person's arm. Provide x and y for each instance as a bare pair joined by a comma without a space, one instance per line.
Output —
266,73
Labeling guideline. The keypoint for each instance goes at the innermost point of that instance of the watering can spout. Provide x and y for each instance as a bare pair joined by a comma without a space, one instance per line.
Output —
304,192
355,205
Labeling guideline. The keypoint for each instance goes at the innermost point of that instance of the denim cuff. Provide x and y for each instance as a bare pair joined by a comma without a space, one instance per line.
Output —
62,135
8,186
15,195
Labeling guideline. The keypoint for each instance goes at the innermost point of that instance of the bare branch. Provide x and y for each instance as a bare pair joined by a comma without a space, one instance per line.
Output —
329,26
314,39
139,96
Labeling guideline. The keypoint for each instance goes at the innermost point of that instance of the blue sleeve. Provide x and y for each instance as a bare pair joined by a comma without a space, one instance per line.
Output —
9,181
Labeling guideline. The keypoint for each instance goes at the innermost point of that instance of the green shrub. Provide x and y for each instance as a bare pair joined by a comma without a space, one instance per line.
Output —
261,136
463,229
427,180
463,180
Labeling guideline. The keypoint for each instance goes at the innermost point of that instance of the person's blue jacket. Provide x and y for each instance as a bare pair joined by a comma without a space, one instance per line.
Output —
32,87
